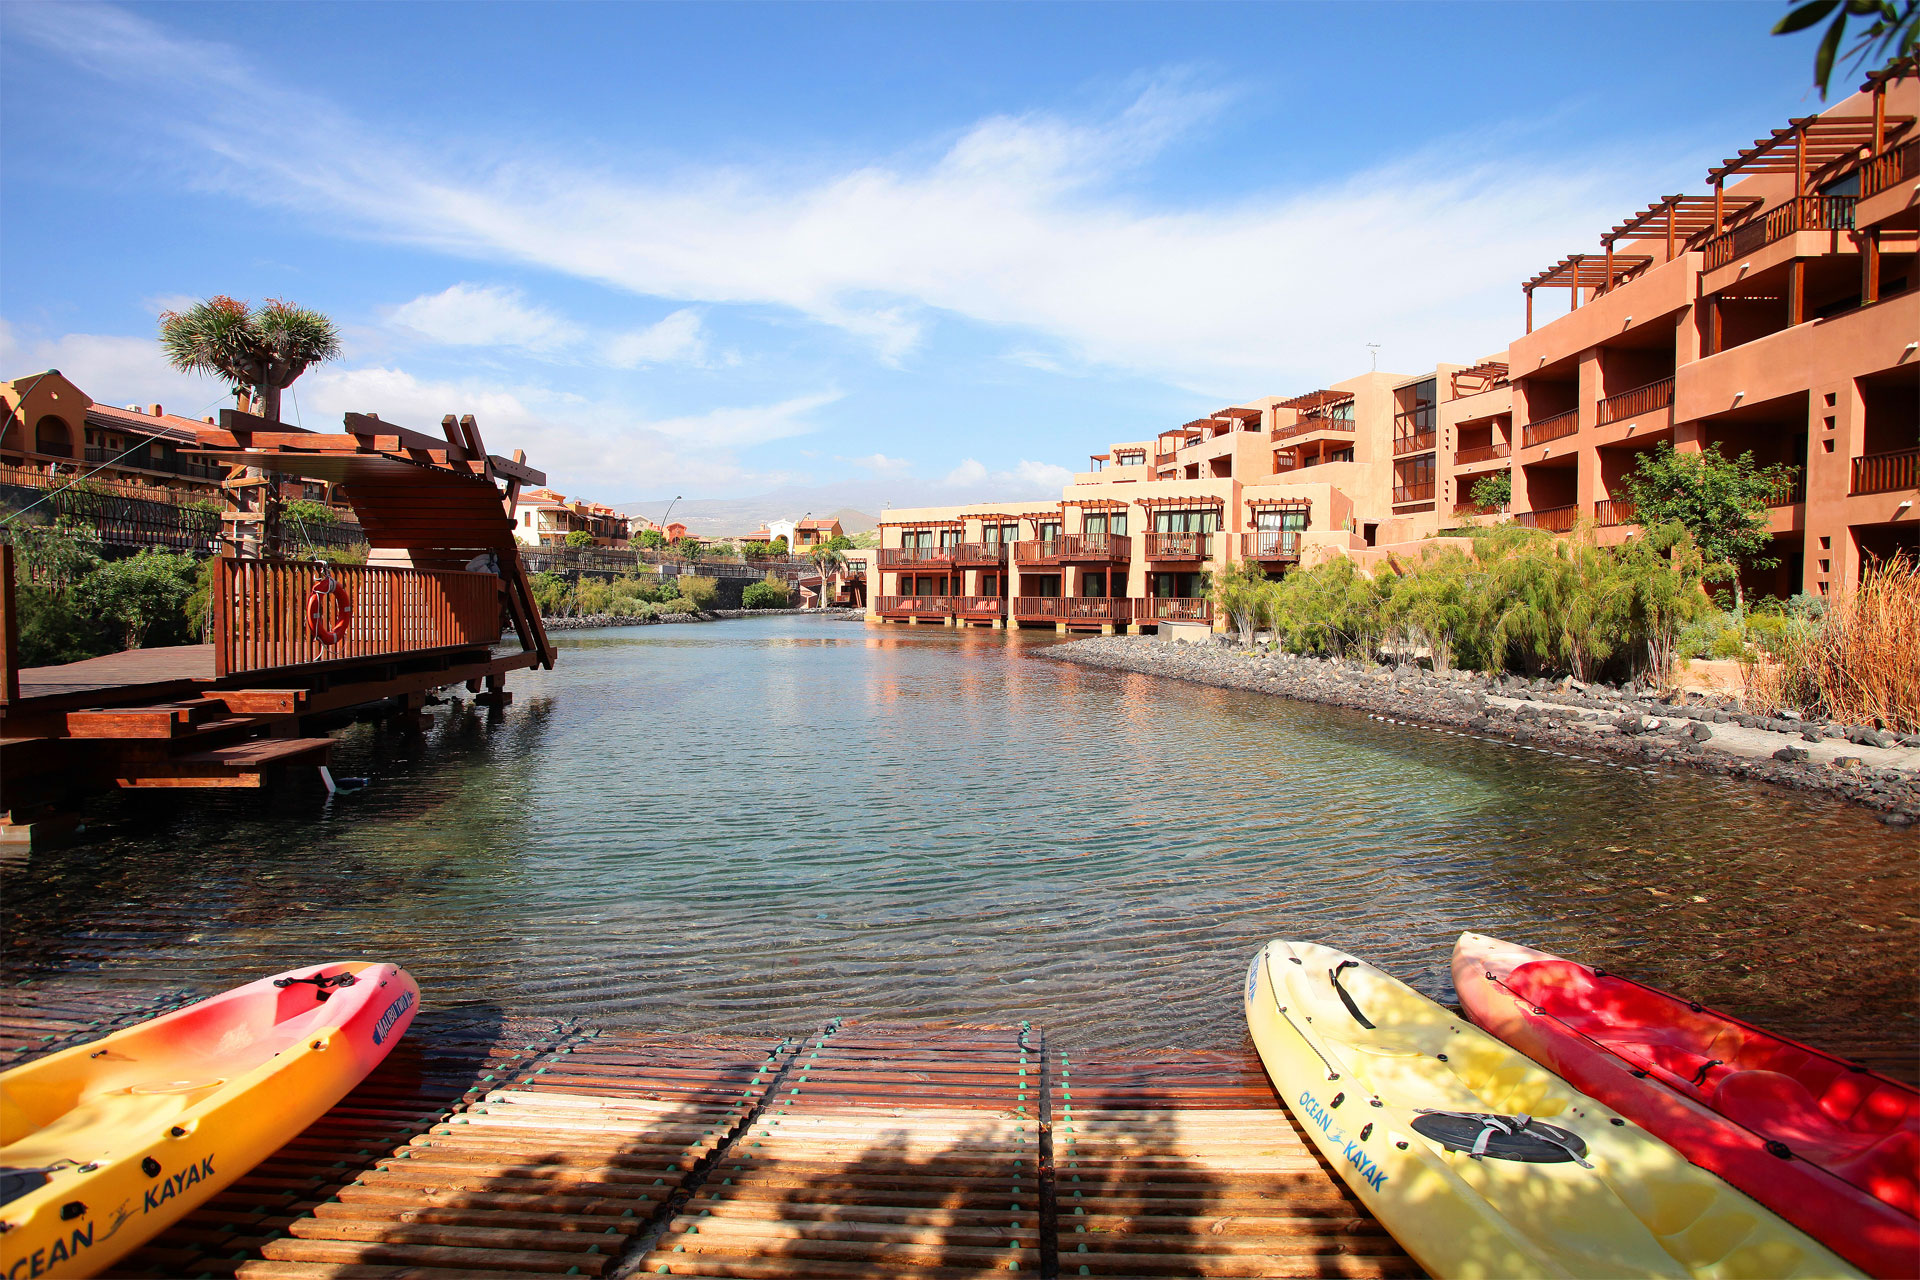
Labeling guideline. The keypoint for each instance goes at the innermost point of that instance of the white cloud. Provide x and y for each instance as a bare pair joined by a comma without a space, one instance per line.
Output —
1027,479
113,370
678,339
1020,222
467,315
881,465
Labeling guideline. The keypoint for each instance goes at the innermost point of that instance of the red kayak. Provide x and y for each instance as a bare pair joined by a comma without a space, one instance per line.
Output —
1828,1145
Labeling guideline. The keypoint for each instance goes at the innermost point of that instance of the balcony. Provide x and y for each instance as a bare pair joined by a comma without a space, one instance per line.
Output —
261,620
1179,546
1270,545
1075,548
139,460
1801,213
1886,472
1417,442
1308,425
1552,519
1421,492
1174,609
1559,425
1482,453
1163,459
1073,610
1468,507
980,553
916,557
914,606
1890,168
981,606
1609,513
1651,398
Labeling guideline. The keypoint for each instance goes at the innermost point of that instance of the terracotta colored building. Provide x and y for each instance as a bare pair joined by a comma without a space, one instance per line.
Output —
1777,313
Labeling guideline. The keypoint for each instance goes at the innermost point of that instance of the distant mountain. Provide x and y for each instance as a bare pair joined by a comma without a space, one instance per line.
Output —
723,517
848,501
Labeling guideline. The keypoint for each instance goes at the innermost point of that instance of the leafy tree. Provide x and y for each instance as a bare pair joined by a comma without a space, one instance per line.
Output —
650,539
688,549
1240,593
551,594
768,594
307,512
1721,502
263,348
579,538
828,557
141,599
1895,27
57,555
1433,607
703,592
1493,492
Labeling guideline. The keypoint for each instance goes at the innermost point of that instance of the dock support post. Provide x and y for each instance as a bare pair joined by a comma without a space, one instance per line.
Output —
913,620
1059,628
1106,628
1133,628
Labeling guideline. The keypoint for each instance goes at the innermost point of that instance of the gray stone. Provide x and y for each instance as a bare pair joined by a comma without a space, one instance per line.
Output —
1846,762
1699,732
1812,735
1791,755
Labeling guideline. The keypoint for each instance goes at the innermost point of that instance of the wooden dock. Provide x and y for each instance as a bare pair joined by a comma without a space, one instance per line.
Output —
514,1148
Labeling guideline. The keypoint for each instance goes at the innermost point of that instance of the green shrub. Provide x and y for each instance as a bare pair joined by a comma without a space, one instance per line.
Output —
764,595
579,538
681,605
306,511
703,592
649,539
552,594
1493,492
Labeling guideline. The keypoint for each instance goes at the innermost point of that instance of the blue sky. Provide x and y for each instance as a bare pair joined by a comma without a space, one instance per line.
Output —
929,251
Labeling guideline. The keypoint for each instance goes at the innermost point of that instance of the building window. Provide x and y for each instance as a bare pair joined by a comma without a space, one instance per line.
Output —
1207,521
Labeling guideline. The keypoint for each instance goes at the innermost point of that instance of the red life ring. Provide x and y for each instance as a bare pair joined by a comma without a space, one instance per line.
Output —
323,631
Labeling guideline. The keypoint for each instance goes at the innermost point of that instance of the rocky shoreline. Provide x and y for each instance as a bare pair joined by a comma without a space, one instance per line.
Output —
591,621
1858,762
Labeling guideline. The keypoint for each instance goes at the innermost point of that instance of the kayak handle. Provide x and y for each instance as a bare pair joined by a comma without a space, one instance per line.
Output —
1345,999
322,985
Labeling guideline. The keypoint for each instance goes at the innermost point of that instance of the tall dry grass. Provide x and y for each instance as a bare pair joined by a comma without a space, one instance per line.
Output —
1862,664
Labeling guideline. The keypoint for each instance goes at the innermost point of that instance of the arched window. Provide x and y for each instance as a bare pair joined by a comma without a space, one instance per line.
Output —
53,437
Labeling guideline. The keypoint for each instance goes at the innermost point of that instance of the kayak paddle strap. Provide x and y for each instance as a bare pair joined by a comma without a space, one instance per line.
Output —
322,984
1345,999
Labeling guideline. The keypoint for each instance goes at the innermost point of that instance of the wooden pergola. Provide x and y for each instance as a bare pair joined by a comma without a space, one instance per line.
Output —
1240,414
1678,220
1588,271
1096,504
1314,400
923,524
1810,145
1488,373
1182,504
1279,504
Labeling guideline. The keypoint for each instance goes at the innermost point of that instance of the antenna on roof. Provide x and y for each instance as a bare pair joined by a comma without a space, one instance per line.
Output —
1373,353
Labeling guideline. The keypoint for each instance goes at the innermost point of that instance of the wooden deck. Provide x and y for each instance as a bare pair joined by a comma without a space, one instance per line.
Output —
136,670
492,1149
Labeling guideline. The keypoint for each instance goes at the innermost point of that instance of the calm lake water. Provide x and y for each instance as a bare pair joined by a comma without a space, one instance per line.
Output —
764,823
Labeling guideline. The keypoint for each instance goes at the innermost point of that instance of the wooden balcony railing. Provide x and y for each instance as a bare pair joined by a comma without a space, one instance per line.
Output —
981,606
1344,426
1886,472
1072,609
1792,490
1422,492
916,606
1179,546
260,613
1801,213
1175,609
1073,548
1162,459
1609,512
911,557
1481,453
1468,507
973,553
1552,519
1270,544
1417,442
1651,398
1560,424
1890,168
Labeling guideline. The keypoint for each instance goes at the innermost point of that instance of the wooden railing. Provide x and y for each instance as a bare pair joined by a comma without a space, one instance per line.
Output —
1481,453
1270,544
1468,507
1560,424
1179,546
1801,213
1070,547
1890,168
1342,425
1176,609
1886,472
1418,442
921,606
1631,404
260,613
1789,491
1609,512
1421,492
907,557
978,606
1552,519
1072,609
1162,459
980,553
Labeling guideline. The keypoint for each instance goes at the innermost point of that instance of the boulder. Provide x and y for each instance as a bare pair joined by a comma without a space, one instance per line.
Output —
1699,732
1792,755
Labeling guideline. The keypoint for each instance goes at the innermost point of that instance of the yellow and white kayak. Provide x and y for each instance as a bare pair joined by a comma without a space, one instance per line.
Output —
104,1145
1480,1162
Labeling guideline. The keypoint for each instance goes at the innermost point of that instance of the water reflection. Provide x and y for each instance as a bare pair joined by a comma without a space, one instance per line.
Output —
762,823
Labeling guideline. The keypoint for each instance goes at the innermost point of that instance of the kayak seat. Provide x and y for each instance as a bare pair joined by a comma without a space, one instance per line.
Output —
1781,1109
1889,1170
96,1126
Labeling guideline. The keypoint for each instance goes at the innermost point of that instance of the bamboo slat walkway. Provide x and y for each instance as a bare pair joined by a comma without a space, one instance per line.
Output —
500,1148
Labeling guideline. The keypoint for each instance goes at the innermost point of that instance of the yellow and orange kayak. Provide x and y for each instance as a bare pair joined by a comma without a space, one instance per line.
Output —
104,1145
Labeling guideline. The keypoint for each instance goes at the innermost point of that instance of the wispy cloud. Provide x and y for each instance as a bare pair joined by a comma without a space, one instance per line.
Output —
1028,479
466,315
1022,221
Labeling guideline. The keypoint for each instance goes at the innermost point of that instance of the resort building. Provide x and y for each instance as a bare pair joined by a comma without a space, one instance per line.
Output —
545,519
1777,313
57,431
